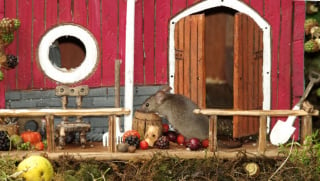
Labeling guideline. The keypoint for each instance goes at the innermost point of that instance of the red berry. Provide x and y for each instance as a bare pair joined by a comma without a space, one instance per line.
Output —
180,139
172,136
165,128
144,145
205,143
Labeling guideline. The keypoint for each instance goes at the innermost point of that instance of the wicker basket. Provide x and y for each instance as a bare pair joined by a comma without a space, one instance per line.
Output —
143,120
10,128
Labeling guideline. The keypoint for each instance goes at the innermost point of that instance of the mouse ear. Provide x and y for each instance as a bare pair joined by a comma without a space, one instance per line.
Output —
159,97
166,88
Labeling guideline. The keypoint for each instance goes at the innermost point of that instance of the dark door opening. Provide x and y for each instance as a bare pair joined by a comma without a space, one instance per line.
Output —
219,34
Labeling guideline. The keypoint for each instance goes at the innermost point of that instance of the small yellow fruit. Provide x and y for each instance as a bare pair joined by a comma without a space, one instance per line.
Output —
36,168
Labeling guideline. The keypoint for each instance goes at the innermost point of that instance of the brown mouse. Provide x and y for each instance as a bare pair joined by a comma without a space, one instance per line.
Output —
178,109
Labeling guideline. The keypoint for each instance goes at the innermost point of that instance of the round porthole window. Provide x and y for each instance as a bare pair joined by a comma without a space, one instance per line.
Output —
68,53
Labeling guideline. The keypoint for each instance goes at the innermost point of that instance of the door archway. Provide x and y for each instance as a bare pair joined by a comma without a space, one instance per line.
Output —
263,51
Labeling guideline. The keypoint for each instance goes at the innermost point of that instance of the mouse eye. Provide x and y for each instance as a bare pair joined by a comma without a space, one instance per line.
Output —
147,105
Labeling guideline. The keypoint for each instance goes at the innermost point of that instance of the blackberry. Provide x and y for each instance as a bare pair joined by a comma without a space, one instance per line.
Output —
4,141
162,142
133,141
12,61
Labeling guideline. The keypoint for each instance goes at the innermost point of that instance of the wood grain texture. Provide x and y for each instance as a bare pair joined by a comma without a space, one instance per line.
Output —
38,29
162,15
149,41
24,69
138,45
109,40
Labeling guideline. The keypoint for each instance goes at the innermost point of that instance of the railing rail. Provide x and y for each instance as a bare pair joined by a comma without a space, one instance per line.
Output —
306,126
50,113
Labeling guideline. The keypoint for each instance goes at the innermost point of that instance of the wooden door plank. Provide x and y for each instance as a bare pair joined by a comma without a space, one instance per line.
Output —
186,58
201,63
194,58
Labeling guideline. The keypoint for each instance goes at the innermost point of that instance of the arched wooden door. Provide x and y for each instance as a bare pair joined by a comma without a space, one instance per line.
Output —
247,69
189,65
247,81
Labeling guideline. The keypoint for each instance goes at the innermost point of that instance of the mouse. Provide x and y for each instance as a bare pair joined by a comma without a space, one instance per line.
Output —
178,110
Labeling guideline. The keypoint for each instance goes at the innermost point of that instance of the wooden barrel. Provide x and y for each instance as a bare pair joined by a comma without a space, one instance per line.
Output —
143,120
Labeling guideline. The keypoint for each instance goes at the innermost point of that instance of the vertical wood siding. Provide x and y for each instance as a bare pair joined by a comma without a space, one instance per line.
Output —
106,19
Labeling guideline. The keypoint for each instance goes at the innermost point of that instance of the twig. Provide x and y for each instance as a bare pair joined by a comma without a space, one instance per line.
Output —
284,162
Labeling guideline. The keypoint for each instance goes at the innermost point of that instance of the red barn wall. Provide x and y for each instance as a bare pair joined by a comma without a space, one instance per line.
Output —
106,19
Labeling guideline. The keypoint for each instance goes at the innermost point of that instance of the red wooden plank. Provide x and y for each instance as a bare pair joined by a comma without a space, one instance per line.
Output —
109,40
192,2
258,6
298,23
24,70
298,51
298,54
122,38
94,27
148,35
285,55
80,12
11,79
51,10
2,8
65,11
38,30
161,55
177,6
2,83
138,45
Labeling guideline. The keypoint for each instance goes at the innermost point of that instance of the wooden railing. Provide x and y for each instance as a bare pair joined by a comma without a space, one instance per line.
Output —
50,113
306,126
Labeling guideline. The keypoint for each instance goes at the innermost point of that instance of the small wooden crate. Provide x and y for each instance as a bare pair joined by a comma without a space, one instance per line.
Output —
143,120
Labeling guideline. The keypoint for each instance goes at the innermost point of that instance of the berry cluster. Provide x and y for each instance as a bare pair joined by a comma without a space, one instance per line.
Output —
4,141
132,140
7,27
12,61
162,142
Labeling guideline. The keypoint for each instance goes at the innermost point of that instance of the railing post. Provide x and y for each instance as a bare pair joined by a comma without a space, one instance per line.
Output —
112,133
50,133
213,133
262,143
306,127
